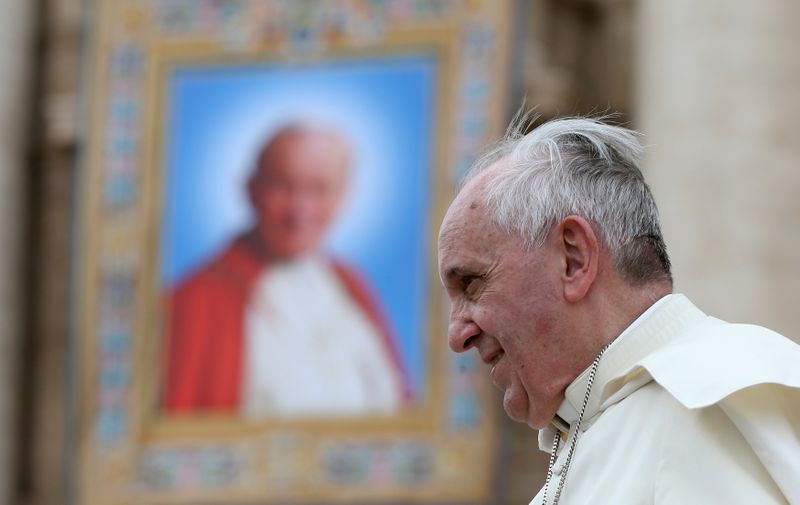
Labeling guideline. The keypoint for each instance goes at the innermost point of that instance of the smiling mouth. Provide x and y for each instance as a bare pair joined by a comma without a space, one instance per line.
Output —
497,357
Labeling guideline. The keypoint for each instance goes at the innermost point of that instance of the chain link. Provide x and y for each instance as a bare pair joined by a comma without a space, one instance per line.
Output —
577,430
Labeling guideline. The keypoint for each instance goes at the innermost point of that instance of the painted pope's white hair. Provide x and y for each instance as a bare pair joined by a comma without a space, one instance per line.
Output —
577,166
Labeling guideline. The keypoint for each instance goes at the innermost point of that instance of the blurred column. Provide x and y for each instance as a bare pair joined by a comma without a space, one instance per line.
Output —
718,97
16,26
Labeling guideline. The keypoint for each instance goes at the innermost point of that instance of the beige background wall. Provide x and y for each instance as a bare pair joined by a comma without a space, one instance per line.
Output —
718,96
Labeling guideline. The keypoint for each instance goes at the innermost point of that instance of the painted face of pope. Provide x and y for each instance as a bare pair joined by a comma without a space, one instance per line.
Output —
514,304
296,190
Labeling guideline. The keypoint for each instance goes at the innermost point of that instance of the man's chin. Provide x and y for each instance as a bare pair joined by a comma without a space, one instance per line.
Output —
522,413
517,411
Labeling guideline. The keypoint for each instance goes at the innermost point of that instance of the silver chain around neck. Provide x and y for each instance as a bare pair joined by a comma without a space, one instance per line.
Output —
577,431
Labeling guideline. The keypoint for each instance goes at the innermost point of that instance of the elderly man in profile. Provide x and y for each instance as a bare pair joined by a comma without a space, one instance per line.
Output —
558,275
272,326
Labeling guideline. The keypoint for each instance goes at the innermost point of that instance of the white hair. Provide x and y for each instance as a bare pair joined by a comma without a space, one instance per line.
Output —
577,166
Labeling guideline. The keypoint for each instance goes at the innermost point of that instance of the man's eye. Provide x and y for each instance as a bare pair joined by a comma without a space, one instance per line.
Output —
470,283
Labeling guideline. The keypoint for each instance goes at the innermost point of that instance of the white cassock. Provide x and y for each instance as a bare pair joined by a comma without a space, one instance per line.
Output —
310,349
685,409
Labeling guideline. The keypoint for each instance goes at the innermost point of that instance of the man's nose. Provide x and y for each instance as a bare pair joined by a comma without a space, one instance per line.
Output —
461,333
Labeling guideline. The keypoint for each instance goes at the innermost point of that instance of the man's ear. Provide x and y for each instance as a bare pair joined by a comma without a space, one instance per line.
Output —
581,255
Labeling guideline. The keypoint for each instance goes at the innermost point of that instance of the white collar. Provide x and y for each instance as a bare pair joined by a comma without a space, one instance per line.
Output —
662,321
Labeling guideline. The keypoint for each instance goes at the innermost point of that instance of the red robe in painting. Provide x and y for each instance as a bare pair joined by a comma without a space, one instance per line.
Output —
205,337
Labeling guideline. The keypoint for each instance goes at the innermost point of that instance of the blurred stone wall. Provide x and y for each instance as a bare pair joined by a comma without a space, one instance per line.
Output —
44,463
16,44
718,97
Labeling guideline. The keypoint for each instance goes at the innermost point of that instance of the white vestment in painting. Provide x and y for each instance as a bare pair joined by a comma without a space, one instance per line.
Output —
685,409
311,350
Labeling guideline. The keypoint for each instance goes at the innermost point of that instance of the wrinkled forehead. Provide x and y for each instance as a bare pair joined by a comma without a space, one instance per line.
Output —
464,209
468,207
467,229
